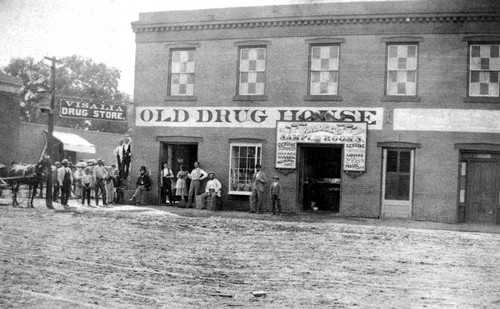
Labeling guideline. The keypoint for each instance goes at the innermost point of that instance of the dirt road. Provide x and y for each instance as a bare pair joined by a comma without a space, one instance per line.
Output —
143,257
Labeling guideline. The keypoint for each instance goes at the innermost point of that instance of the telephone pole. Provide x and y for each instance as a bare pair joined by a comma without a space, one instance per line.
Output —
50,130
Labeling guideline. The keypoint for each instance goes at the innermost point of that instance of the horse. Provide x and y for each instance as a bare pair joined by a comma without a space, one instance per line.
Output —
30,174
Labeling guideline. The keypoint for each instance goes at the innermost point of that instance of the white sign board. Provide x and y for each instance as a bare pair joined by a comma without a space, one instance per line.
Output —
250,117
351,135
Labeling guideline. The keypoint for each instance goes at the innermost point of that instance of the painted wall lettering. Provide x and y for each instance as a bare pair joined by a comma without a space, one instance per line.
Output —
250,117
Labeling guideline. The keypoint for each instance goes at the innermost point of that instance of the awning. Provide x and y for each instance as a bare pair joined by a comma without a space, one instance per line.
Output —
73,142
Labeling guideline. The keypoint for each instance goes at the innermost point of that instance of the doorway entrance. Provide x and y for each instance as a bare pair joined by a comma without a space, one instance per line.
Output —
177,154
397,182
482,187
320,177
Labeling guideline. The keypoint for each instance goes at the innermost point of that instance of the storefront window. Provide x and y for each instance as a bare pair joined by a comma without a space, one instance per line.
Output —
244,157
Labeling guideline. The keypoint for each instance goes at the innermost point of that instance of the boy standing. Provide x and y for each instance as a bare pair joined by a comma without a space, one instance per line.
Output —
87,183
275,194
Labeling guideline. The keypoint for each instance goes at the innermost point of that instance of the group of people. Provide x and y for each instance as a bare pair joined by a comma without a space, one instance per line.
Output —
85,177
187,196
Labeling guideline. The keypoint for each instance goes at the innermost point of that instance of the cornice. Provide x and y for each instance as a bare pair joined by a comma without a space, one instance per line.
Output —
139,27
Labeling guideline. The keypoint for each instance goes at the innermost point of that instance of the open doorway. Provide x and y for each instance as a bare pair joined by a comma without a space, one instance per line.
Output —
177,154
320,177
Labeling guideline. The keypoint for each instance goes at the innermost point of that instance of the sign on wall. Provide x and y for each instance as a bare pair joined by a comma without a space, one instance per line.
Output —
250,117
351,135
81,108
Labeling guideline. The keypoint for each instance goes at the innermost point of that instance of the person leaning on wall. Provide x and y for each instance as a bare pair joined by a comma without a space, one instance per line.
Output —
143,184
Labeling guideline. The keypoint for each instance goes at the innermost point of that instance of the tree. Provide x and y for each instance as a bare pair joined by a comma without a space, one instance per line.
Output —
76,76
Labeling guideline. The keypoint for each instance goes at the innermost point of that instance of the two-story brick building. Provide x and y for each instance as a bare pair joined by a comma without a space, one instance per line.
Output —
405,96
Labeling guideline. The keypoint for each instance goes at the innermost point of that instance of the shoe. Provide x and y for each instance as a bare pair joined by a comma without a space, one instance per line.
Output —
132,198
251,211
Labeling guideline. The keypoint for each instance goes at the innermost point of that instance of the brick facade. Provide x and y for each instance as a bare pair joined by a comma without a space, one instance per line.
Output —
442,30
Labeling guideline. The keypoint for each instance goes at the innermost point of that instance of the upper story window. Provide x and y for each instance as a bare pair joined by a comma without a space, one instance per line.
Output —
182,70
401,70
324,70
252,71
484,68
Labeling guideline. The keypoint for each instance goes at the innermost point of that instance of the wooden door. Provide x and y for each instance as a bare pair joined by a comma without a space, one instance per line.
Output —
482,192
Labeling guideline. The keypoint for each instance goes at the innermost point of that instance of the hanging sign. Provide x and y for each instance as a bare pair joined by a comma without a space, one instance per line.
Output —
351,134
81,108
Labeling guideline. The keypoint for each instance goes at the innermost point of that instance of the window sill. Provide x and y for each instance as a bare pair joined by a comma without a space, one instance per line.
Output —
400,98
250,98
482,100
323,98
180,98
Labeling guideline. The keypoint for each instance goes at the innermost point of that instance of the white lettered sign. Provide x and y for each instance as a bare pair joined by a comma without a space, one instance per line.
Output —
251,117
351,134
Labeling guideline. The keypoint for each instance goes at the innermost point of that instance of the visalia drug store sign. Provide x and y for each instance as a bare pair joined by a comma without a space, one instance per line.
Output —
81,108
351,135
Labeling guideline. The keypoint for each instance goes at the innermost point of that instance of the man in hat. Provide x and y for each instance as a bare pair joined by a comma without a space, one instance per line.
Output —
100,174
275,192
212,189
65,180
55,182
259,181
143,184
127,157
196,176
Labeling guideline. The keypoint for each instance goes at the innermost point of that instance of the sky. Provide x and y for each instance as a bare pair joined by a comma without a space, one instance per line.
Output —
96,29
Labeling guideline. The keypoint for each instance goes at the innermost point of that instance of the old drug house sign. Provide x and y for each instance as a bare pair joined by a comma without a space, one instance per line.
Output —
351,134
80,108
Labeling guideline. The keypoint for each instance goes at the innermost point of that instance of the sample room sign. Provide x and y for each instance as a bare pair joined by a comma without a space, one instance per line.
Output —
81,108
351,134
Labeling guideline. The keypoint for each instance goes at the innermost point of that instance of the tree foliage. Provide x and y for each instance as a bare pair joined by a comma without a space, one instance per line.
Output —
76,76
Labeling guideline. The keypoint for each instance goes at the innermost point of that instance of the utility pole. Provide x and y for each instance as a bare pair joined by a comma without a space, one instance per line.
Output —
50,130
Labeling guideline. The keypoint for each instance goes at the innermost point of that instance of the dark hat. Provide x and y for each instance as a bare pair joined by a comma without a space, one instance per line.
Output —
276,177
143,168
65,161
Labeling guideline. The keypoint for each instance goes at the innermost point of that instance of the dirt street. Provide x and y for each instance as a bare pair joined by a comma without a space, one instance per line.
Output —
153,257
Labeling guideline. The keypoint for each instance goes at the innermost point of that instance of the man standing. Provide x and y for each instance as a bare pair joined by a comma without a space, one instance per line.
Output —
55,182
259,181
65,180
127,157
118,152
212,189
100,175
196,176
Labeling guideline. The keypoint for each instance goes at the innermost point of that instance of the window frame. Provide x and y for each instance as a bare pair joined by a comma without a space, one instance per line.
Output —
181,97
410,173
480,98
258,160
250,97
330,97
401,97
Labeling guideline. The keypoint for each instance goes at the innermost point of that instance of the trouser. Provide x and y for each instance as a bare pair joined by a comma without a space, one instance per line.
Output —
276,202
194,189
55,194
119,195
126,166
167,191
100,185
256,201
110,191
140,194
120,166
65,193
204,197
86,195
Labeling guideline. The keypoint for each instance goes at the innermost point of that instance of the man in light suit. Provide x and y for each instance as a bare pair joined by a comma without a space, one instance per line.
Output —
259,182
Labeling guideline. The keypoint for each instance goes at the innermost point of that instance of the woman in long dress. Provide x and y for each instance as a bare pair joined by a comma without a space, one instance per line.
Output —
180,186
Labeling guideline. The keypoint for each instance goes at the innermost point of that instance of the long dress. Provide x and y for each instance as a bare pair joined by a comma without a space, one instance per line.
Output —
180,186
